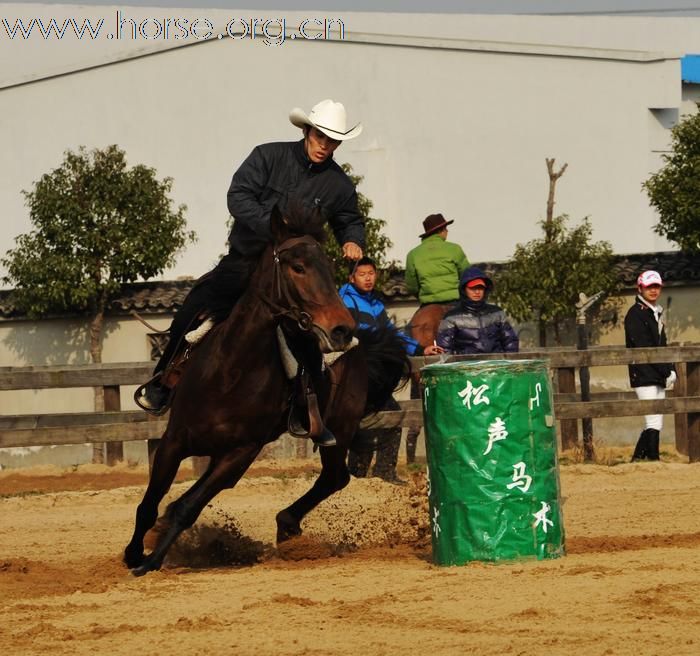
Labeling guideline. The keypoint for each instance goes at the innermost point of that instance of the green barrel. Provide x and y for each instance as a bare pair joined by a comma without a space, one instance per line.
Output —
493,479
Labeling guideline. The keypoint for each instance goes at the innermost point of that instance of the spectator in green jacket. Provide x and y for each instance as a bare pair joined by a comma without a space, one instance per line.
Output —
434,266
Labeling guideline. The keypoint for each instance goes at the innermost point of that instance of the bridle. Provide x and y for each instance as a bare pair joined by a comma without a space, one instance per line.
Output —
281,303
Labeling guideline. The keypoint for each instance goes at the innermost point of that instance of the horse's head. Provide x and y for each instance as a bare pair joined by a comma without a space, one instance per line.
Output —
303,288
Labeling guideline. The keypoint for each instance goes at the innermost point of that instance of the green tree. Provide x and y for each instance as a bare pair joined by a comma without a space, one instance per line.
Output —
674,191
543,279
97,224
377,242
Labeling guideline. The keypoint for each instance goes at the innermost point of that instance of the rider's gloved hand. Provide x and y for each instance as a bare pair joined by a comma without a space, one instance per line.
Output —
351,251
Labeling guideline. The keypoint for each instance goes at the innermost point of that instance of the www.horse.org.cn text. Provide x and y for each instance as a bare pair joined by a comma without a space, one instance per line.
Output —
271,31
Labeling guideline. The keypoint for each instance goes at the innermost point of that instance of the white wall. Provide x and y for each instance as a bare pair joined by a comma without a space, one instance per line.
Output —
457,131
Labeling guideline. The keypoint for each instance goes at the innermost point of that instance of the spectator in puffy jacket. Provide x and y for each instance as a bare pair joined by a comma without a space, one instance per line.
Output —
369,312
476,326
644,327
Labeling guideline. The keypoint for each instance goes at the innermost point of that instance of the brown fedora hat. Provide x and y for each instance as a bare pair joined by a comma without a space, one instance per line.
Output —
434,223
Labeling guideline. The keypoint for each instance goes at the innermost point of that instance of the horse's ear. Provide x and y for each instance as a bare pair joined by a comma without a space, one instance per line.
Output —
277,225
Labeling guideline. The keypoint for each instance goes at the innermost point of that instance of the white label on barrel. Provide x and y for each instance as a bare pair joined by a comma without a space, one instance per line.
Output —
475,394
520,478
497,431
541,517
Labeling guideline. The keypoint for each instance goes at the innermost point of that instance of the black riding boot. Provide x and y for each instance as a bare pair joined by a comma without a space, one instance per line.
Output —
641,451
153,397
653,444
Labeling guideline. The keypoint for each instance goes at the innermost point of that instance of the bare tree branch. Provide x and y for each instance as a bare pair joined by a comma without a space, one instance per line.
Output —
553,177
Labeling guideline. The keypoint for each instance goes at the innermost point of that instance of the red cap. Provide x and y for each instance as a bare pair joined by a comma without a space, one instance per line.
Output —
476,282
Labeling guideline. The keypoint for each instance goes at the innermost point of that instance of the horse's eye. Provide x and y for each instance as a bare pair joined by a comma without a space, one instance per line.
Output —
297,268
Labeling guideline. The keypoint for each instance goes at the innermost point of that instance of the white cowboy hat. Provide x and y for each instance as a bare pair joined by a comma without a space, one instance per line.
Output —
328,117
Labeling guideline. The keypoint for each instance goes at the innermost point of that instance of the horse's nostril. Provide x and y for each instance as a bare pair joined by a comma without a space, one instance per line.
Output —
341,335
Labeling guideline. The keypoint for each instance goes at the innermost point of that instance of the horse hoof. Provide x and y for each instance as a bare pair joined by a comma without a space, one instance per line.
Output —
146,566
133,559
287,526
140,571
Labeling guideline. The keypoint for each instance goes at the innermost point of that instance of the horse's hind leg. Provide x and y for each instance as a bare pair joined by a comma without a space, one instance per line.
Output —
182,513
166,462
334,476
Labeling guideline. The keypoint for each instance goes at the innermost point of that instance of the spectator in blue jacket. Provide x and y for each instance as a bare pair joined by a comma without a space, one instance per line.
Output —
369,312
476,326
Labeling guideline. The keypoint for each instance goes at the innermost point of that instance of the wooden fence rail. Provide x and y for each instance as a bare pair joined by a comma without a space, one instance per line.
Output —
120,426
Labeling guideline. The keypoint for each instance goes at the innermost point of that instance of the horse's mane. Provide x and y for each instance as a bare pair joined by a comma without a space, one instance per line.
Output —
300,221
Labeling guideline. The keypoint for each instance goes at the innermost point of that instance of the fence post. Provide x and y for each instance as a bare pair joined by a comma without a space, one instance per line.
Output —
301,449
693,421
114,450
585,303
584,376
681,419
98,448
152,448
566,383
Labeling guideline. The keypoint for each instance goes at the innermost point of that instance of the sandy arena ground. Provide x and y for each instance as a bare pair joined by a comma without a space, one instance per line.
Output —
359,582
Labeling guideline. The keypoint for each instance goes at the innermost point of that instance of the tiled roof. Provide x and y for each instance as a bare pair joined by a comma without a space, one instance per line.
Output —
676,269
158,297
149,297
153,297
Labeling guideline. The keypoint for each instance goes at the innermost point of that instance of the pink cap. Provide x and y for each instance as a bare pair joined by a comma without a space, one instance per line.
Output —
649,278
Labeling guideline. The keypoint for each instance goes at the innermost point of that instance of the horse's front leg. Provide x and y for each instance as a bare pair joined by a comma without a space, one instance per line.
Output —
334,476
166,462
223,473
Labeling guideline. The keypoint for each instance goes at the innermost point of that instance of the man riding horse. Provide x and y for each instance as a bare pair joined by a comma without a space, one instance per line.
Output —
432,274
275,175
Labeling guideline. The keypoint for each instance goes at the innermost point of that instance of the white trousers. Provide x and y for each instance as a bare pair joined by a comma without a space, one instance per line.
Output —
652,392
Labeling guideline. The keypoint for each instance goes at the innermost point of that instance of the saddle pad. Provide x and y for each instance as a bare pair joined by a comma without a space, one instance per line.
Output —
196,335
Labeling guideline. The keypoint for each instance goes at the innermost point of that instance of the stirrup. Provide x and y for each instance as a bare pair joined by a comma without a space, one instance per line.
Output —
324,439
317,430
295,427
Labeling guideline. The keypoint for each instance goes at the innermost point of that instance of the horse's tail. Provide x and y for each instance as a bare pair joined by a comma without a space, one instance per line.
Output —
388,366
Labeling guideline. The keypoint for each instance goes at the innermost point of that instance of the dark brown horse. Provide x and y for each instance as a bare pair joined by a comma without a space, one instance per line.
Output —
234,395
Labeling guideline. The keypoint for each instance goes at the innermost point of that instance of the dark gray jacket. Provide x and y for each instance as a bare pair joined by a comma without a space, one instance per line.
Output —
281,174
476,327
